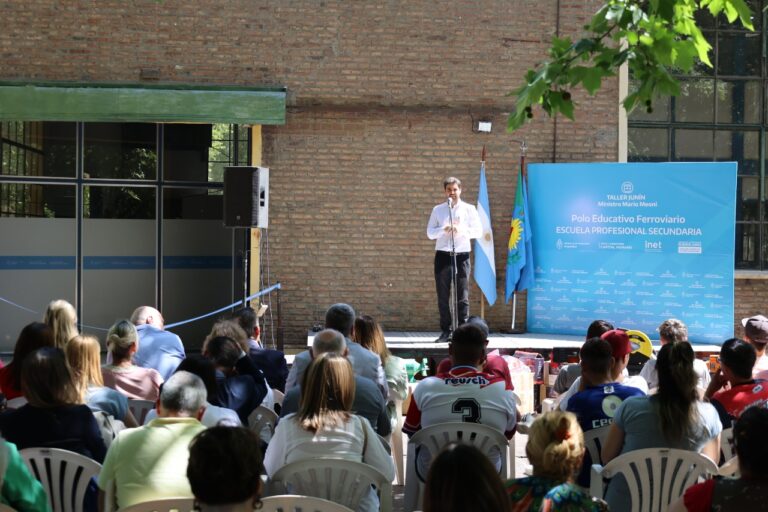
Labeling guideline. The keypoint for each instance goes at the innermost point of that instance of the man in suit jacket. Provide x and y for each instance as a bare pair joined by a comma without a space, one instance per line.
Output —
341,317
271,362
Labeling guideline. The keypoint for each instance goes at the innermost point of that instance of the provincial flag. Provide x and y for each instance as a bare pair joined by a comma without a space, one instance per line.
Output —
485,263
520,250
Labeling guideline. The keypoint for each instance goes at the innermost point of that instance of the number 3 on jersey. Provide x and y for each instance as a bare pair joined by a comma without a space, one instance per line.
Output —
469,409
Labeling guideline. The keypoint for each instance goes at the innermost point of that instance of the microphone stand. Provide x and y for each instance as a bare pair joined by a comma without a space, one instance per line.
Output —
454,274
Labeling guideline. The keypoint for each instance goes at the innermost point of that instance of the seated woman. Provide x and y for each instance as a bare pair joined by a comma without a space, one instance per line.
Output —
451,488
224,470
325,427
672,418
750,490
84,358
555,449
32,337
124,376
61,317
54,416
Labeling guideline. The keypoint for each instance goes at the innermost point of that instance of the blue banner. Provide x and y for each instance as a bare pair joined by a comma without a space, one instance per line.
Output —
633,244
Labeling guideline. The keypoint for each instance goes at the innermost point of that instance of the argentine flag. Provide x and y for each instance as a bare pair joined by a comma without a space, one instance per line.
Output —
485,264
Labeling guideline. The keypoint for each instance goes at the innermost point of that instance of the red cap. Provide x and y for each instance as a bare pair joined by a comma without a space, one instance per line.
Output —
620,344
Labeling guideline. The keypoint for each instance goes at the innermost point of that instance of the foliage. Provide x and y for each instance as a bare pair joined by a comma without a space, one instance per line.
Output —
653,37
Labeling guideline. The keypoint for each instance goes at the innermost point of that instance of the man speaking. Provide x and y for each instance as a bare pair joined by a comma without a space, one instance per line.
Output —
452,225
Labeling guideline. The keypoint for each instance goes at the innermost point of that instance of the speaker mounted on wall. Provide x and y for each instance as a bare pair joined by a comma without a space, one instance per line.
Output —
246,197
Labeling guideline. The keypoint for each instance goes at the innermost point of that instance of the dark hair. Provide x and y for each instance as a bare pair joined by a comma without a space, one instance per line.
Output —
203,368
246,318
479,322
340,317
598,328
46,379
749,438
467,344
32,337
677,395
596,356
739,356
225,465
461,478
223,351
369,334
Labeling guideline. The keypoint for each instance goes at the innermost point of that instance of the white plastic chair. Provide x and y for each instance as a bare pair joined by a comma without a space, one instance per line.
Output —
655,476
342,481
15,403
140,408
397,438
296,503
278,396
487,439
263,421
726,445
593,441
163,505
729,468
65,475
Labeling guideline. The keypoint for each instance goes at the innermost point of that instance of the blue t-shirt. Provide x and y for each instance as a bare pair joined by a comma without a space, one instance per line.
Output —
102,398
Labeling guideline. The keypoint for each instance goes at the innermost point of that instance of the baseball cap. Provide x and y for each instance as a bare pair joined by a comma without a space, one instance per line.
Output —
619,340
756,328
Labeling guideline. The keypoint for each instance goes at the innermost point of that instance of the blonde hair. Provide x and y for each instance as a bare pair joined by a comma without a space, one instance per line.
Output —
326,393
84,358
368,333
555,446
120,338
61,317
673,330
228,329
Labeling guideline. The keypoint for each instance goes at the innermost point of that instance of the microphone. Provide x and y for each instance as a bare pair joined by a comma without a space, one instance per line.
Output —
449,203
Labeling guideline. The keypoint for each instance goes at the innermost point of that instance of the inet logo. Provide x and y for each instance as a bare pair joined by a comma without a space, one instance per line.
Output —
652,246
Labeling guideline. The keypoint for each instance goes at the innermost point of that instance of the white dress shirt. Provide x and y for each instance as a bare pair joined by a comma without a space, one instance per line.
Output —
467,223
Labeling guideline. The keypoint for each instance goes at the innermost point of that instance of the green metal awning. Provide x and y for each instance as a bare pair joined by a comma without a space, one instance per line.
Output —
145,103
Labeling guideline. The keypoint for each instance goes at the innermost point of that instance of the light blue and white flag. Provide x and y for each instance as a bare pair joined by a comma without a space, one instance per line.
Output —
485,264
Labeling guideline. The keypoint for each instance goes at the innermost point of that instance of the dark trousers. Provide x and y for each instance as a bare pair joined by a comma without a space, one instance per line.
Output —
443,285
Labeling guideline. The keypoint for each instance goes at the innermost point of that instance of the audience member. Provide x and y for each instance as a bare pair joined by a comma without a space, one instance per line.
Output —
54,416
672,418
367,401
325,427
84,358
236,389
621,347
369,334
461,478
150,462
214,415
271,362
733,390
158,349
673,330
570,372
341,317
224,470
61,317
555,449
22,491
32,337
133,381
596,404
749,491
464,393
756,333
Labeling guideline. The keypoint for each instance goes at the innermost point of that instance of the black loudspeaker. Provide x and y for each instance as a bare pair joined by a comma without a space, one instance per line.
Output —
246,197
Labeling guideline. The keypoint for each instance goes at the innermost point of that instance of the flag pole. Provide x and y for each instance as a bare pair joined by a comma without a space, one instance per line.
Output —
482,295
523,148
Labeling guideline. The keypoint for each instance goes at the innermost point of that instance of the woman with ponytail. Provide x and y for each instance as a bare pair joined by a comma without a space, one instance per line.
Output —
555,449
672,418
133,381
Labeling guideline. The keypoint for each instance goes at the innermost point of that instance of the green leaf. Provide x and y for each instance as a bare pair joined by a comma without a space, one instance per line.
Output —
745,14
632,37
566,107
685,53
666,9
592,80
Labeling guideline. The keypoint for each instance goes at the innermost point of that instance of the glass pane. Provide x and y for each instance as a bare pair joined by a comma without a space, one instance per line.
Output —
693,145
747,198
119,202
659,108
746,246
37,258
221,152
119,246
37,149
738,101
739,54
648,145
695,102
198,260
186,152
120,151
34,200
739,146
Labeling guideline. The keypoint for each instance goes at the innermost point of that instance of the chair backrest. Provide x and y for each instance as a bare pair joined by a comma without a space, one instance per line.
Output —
140,408
163,505
15,403
263,421
726,445
65,475
278,396
295,503
486,439
655,477
593,440
342,481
